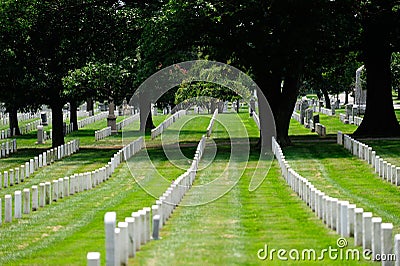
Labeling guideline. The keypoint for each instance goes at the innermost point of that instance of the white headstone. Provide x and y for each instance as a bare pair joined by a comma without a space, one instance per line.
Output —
55,190
40,135
18,204
16,175
5,179
123,226
27,200
110,220
11,177
156,227
35,198
376,236
138,229
386,242
8,209
93,259
131,236
358,212
142,219
397,248
367,230
42,195
48,193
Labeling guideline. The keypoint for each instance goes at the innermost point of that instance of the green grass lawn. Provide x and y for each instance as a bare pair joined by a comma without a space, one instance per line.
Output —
333,125
62,233
227,231
233,228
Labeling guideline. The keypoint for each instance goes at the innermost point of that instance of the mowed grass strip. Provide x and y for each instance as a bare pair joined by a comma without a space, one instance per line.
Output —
232,229
62,233
333,170
86,160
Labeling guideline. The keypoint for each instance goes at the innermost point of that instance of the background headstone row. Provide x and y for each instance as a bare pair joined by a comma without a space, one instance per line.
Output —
38,196
166,123
387,171
212,121
8,147
18,174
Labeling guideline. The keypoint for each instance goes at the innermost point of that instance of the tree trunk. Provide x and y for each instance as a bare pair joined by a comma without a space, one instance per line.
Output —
73,114
326,97
237,105
286,106
346,98
14,121
398,94
57,122
213,106
267,122
379,119
270,88
89,106
146,121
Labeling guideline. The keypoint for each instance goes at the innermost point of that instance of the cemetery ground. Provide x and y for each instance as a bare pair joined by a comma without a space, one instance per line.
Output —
227,231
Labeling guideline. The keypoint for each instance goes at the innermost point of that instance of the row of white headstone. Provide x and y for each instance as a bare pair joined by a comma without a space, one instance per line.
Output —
257,119
18,175
125,238
318,127
127,121
166,123
325,111
356,120
4,134
82,113
387,171
212,121
102,133
320,109
5,119
343,217
47,192
8,147
25,129
198,110
69,128
91,119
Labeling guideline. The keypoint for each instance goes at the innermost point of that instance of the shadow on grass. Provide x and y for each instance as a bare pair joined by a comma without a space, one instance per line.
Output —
320,150
93,155
189,148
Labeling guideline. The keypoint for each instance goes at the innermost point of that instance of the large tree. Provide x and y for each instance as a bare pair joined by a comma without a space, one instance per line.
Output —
65,35
380,23
102,81
334,76
15,83
273,40
395,68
